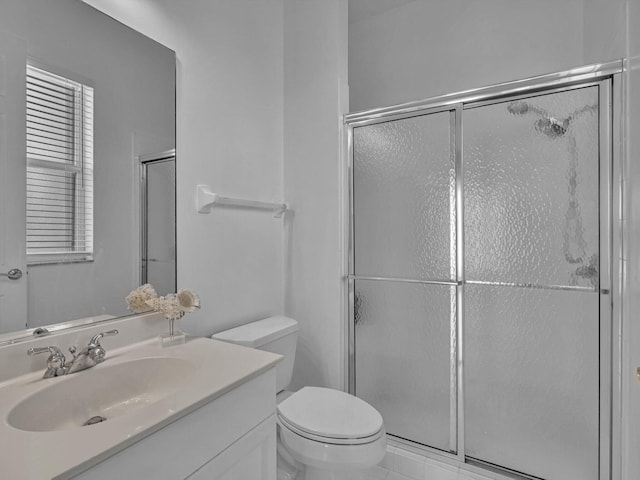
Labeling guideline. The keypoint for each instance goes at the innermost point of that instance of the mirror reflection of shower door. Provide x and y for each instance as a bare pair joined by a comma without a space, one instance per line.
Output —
532,262
405,278
158,254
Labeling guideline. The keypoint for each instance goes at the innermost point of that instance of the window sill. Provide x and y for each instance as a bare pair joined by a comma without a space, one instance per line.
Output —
62,259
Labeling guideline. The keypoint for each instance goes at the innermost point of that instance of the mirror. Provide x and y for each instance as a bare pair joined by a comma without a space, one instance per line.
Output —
131,79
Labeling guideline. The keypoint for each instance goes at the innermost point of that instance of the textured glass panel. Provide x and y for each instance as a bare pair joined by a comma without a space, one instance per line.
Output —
404,184
161,242
531,190
531,380
403,362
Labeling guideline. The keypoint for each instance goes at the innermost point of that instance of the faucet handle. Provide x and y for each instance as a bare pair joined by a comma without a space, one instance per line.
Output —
95,350
56,363
95,340
37,350
55,351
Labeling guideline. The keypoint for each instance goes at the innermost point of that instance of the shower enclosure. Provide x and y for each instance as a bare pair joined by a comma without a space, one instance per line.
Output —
480,298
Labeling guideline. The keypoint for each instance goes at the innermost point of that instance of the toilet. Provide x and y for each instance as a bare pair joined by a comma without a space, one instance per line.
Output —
323,434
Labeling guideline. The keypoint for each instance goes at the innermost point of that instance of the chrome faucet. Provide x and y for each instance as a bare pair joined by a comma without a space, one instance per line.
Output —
91,355
56,363
88,357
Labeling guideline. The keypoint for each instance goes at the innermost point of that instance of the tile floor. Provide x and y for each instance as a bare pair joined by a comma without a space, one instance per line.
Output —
400,464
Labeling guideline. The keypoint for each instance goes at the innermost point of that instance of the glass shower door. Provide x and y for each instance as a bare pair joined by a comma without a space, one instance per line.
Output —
404,274
532,271
480,274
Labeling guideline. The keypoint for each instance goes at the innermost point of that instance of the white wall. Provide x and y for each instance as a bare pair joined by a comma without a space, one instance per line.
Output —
71,38
316,96
604,30
428,48
631,325
229,136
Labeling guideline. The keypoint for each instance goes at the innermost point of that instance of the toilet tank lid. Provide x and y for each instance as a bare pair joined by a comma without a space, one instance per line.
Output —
256,334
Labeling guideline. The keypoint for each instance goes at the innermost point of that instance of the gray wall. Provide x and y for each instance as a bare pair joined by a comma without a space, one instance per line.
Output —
428,48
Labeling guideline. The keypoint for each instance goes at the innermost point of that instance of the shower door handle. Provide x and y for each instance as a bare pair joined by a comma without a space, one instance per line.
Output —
356,308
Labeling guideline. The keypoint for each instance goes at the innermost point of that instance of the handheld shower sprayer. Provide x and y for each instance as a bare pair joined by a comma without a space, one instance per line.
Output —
574,244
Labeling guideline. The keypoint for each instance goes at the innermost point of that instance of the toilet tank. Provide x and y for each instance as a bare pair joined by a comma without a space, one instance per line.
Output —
274,334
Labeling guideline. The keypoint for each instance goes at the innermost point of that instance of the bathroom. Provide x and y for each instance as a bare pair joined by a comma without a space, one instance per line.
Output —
262,86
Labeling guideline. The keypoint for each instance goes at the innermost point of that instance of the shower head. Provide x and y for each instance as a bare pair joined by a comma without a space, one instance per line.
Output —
545,124
551,127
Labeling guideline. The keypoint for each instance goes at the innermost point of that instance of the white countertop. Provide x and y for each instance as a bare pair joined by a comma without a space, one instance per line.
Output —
64,453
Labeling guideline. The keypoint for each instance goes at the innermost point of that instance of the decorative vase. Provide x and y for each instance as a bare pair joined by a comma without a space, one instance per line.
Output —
174,337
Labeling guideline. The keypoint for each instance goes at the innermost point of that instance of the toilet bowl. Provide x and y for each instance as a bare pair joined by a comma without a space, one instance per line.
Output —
323,433
333,434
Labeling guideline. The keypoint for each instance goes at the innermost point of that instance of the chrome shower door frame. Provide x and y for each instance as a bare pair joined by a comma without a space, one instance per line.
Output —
607,77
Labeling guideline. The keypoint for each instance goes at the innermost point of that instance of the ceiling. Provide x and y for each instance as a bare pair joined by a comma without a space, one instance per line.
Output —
362,9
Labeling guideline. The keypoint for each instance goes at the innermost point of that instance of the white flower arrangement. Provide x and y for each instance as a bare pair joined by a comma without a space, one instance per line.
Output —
173,305
188,300
169,306
138,299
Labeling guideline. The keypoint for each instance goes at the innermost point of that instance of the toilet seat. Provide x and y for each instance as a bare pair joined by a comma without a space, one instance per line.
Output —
332,457
329,440
330,416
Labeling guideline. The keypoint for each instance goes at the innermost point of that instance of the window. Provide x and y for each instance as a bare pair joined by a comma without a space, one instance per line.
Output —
59,169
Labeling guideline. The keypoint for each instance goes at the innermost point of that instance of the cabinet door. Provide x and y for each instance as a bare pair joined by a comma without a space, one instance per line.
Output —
251,457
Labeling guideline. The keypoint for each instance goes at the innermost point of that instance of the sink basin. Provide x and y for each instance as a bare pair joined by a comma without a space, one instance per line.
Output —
100,393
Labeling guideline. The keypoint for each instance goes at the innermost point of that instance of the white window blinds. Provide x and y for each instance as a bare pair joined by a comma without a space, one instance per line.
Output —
59,168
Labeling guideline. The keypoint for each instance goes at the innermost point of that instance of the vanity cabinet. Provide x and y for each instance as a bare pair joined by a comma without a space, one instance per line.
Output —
251,457
233,437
